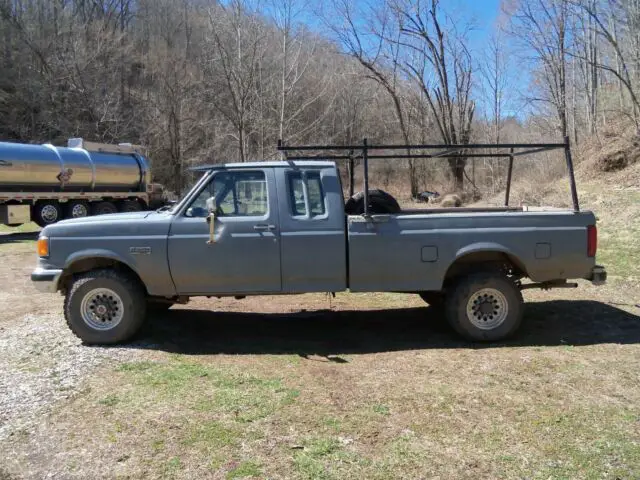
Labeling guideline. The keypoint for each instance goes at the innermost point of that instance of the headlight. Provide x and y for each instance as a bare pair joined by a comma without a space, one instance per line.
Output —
43,247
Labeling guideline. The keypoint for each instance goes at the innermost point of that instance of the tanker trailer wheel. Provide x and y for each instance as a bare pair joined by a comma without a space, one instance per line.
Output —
77,209
103,208
105,306
130,206
46,212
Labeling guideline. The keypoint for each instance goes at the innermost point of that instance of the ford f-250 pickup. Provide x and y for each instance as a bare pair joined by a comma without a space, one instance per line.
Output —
281,228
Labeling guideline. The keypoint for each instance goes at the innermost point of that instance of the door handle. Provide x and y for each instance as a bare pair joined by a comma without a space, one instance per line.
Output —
262,227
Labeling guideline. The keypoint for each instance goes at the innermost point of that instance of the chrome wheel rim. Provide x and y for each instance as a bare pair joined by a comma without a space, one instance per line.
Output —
79,210
102,309
49,213
487,308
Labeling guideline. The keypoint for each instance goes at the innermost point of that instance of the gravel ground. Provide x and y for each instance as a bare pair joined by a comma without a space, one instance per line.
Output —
42,363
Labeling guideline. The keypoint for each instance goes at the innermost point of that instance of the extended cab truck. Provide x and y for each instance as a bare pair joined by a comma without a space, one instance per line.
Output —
281,228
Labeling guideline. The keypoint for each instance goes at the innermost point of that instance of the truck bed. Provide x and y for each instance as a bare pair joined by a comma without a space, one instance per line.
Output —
413,250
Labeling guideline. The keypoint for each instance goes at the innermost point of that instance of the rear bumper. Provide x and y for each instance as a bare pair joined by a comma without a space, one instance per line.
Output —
46,281
598,275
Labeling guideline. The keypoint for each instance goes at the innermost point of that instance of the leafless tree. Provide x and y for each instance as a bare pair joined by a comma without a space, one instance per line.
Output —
618,14
438,61
207,81
380,59
541,26
237,37
496,88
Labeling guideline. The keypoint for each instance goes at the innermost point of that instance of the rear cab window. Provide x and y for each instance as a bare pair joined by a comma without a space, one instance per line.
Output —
306,196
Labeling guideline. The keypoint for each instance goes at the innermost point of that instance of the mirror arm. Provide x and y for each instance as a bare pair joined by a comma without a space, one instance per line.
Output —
212,220
213,207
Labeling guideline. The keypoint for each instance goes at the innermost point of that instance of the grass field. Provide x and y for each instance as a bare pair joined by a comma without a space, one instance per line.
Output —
369,386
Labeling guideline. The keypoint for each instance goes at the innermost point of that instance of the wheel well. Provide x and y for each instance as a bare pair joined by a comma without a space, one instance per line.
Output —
486,260
88,264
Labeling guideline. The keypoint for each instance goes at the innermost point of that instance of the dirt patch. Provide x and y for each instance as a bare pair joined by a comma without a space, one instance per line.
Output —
355,389
616,157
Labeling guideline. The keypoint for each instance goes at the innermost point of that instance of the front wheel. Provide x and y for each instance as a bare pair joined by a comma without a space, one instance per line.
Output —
485,307
105,307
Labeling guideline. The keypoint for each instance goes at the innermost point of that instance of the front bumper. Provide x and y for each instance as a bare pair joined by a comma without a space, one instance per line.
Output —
598,275
45,280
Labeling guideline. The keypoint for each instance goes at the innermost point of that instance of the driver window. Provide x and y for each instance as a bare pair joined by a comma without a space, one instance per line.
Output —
238,193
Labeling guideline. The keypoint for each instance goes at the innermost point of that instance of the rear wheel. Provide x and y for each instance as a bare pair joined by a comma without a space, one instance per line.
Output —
105,307
103,208
77,209
484,306
46,212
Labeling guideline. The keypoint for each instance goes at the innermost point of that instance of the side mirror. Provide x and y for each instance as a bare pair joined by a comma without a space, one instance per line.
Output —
211,218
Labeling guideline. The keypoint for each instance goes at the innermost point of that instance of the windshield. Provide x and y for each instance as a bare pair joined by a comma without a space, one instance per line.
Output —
171,208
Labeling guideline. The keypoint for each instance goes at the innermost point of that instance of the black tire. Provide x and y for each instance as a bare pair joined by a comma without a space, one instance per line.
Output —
434,299
77,209
103,208
132,302
130,206
379,201
500,314
46,212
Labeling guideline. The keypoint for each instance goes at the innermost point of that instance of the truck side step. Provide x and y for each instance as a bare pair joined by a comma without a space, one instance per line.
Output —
549,285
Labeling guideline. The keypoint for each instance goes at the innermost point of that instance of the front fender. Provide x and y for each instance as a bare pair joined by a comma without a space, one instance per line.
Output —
93,253
151,268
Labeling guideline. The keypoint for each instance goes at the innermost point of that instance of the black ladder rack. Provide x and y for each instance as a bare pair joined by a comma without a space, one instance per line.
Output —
426,151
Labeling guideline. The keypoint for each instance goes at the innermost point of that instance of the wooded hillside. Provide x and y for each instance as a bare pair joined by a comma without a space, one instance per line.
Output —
200,81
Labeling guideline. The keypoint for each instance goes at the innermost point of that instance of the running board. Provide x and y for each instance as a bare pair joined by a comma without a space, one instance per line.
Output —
549,285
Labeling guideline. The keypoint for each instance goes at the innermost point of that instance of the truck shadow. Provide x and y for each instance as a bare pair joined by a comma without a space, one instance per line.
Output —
16,237
327,333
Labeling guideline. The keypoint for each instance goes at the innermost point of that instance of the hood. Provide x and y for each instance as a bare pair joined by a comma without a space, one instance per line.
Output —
110,217
113,224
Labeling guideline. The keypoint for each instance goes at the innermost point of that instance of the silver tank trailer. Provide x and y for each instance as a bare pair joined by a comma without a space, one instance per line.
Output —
49,168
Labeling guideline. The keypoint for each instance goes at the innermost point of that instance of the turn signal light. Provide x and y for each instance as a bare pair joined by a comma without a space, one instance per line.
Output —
43,247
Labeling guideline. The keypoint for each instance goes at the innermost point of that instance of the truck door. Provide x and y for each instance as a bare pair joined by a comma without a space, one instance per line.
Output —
312,229
245,253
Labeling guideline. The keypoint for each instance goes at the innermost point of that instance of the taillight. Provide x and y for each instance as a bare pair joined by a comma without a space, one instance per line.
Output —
592,240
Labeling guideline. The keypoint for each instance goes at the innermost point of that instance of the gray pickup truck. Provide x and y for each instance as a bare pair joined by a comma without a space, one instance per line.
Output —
274,228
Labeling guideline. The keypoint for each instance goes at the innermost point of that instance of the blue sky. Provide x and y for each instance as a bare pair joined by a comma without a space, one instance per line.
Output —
483,15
